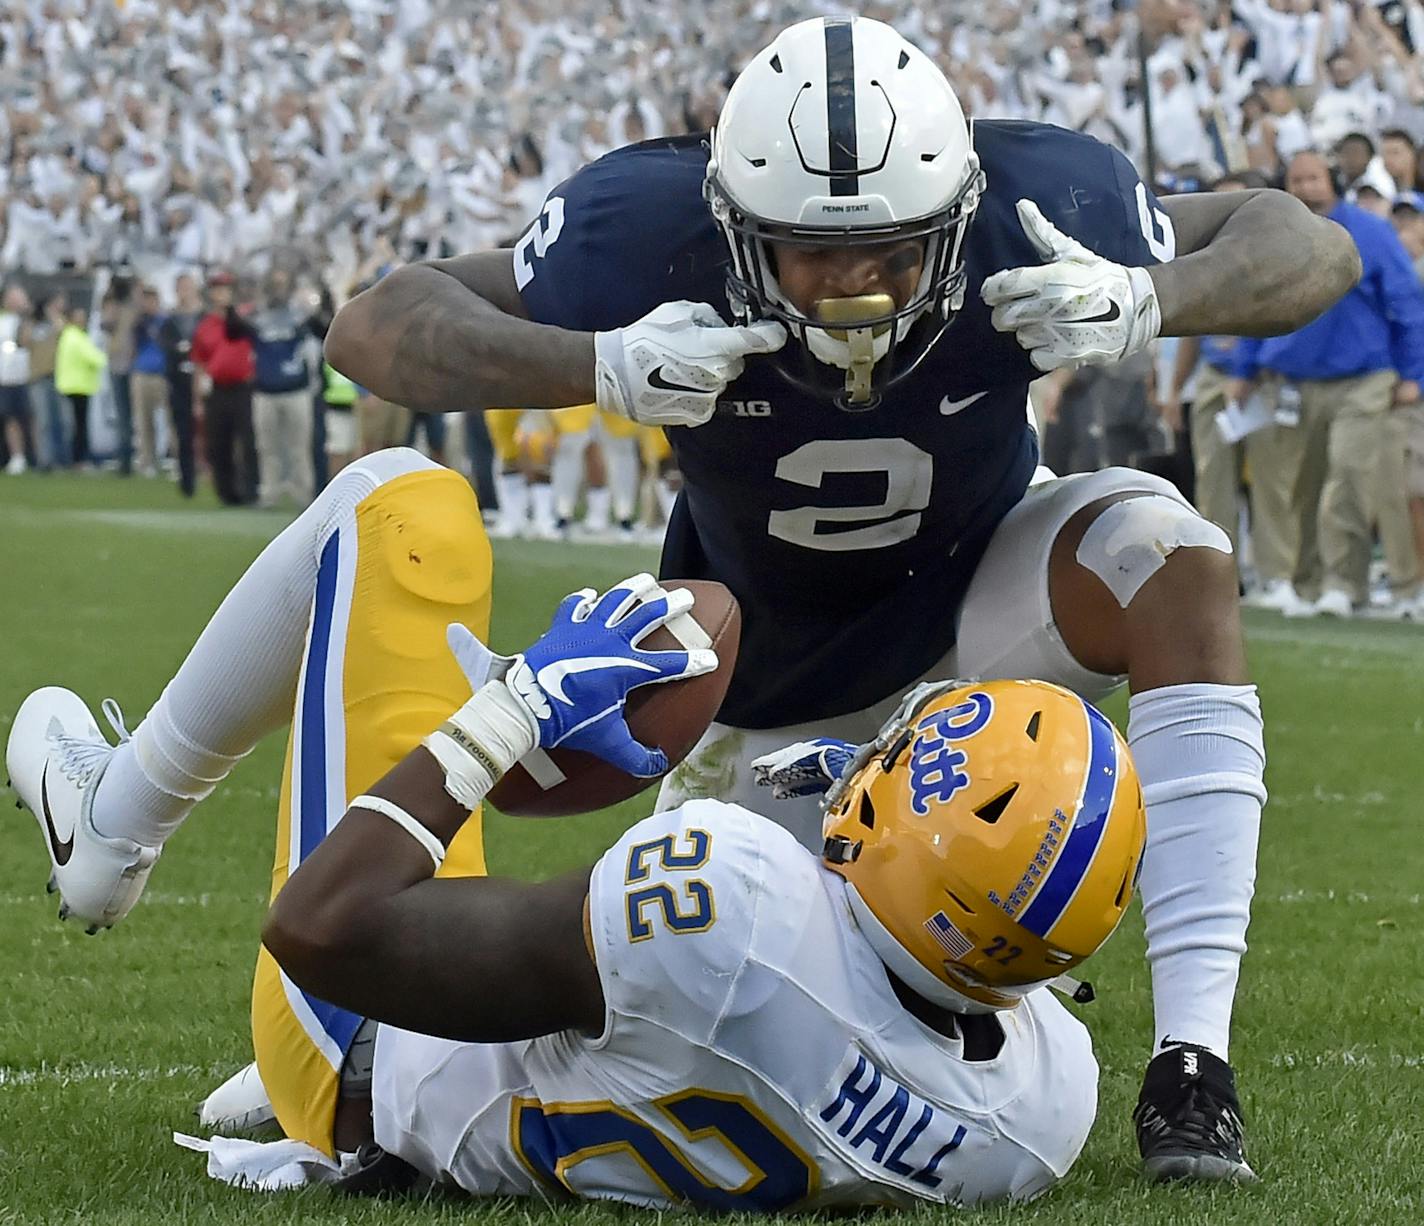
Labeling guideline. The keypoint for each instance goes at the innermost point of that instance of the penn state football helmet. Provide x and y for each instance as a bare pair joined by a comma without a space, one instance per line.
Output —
990,837
842,132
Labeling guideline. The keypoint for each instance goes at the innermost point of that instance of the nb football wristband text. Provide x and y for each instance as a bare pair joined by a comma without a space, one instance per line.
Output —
481,741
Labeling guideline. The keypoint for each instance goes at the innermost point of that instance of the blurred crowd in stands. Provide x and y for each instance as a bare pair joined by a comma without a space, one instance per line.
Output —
188,190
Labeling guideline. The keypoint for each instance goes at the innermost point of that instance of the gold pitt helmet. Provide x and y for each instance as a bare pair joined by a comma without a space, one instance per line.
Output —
991,837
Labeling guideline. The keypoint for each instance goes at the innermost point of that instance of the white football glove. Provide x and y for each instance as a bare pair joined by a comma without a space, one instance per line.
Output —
669,368
1078,310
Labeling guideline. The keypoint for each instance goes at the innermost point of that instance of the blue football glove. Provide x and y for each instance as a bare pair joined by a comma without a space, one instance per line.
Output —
576,678
806,768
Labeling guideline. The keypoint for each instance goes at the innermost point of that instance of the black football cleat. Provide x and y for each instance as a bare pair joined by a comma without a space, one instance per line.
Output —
1189,1119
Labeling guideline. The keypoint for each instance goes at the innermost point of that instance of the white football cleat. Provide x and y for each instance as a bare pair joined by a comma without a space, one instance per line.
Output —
1278,595
1334,603
56,756
240,1104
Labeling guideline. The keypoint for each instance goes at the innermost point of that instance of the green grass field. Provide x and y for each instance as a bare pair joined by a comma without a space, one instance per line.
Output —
107,1043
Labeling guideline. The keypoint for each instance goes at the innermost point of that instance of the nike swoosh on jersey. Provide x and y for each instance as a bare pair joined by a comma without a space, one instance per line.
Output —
656,379
949,407
62,851
551,676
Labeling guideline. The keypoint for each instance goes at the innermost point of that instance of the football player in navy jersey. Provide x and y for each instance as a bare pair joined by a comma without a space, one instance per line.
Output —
836,303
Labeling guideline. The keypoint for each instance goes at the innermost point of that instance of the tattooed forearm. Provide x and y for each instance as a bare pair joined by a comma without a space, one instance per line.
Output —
420,338
1251,264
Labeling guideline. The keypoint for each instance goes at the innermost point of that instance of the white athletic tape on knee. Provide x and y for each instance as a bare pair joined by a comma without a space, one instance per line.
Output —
1131,541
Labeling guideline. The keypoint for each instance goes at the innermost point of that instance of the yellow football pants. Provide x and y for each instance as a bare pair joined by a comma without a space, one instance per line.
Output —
376,678
508,428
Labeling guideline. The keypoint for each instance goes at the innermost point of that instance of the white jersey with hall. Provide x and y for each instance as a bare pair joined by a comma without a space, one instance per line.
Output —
754,1055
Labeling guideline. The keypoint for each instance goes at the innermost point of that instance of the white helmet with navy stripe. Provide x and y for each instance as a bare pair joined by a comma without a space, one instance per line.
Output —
841,131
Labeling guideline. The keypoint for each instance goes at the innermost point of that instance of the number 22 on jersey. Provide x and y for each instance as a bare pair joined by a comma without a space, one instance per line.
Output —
658,904
553,1139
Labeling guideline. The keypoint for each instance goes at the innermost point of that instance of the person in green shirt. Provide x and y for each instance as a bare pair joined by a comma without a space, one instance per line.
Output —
78,368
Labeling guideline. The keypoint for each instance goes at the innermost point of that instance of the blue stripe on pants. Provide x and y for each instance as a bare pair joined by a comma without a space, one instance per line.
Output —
311,817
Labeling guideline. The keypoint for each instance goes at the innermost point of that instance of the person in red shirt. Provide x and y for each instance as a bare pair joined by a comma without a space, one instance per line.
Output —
224,357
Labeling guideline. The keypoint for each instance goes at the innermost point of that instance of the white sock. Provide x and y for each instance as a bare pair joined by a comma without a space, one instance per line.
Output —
598,501
513,489
239,680
542,496
566,472
621,456
1200,753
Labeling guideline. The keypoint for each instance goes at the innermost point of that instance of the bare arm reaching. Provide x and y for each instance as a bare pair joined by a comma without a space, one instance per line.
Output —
1252,263
481,959
453,334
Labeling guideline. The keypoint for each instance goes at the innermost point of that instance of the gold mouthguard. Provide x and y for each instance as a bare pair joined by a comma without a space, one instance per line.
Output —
847,312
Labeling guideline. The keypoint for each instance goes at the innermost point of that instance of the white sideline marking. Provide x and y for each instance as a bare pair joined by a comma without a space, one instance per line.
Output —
153,898
242,522
1350,896
75,1074
1347,1057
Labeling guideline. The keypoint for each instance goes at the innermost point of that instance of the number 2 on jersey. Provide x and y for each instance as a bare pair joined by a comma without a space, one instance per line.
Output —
554,1138
646,903
908,472
542,235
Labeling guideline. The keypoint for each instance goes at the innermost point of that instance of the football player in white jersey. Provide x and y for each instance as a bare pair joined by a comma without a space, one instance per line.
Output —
712,1015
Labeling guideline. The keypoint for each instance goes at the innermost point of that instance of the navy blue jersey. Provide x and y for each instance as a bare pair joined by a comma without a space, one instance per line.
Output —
848,538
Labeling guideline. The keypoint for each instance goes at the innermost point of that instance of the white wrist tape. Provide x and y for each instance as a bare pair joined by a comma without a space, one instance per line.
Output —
1147,313
419,832
481,741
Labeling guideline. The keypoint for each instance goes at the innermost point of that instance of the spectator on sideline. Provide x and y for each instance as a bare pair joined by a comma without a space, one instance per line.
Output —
148,386
222,351
51,415
78,371
120,313
1342,375
1200,376
15,379
282,399
175,335
339,395
1408,219
379,423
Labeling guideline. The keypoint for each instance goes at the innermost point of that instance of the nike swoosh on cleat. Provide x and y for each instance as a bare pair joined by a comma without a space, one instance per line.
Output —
949,407
61,851
1107,317
551,676
656,379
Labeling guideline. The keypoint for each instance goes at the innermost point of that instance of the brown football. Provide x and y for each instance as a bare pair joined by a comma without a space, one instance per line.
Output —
671,716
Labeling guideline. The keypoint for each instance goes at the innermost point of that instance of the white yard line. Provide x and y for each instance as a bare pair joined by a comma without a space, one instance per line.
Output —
239,522
1350,897
156,898
74,1074
1347,1057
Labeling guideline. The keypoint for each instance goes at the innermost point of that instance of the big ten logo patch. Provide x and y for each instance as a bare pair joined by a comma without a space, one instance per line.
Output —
937,764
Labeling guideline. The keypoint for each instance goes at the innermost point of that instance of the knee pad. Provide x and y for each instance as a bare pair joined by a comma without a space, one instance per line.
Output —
1131,541
393,462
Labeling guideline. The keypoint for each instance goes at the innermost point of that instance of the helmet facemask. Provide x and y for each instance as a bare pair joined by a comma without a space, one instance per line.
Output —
854,365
